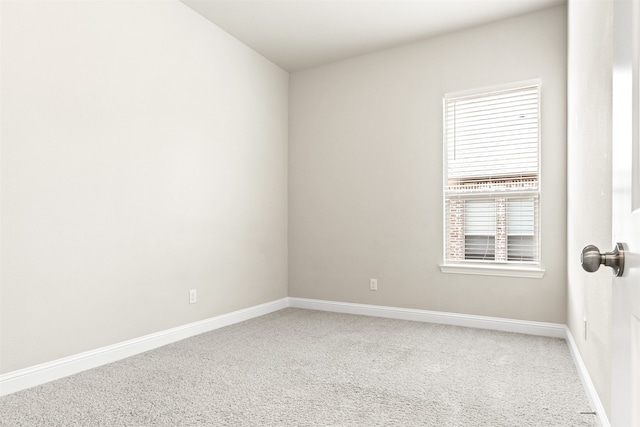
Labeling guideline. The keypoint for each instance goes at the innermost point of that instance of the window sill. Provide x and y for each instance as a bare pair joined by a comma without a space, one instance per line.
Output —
493,270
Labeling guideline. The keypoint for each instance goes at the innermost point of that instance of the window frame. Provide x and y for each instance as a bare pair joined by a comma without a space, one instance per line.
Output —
494,268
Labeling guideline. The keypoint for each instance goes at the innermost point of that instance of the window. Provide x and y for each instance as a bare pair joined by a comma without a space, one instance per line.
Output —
491,182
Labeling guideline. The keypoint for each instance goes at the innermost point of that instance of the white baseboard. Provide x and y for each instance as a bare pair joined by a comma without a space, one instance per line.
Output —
588,385
46,372
555,330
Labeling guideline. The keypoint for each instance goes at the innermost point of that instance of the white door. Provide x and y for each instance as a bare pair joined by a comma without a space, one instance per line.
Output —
625,403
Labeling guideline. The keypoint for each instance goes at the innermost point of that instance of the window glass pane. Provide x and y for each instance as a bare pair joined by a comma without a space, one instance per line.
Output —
520,217
480,218
521,248
480,248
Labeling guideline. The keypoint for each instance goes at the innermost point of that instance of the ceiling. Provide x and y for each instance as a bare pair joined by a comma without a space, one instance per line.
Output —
300,34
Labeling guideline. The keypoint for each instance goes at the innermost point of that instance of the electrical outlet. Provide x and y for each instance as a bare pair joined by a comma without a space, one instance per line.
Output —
373,284
585,328
193,296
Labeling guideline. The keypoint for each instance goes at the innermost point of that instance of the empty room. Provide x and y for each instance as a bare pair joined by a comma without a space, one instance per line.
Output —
319,213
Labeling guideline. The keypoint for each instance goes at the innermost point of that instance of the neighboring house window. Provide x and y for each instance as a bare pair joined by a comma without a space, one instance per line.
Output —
491,182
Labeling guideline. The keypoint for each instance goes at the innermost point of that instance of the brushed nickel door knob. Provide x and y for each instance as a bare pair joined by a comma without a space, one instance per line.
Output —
591,259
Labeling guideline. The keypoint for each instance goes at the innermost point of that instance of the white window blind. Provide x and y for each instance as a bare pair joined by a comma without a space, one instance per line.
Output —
491,192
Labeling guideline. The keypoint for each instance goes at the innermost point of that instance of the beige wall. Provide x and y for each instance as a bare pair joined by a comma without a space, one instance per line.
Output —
365,169
144,153
589,182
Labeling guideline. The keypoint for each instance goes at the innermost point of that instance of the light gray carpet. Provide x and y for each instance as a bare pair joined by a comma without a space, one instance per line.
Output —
307,368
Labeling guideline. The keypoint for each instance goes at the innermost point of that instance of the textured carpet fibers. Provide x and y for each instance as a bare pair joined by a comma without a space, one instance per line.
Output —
308,368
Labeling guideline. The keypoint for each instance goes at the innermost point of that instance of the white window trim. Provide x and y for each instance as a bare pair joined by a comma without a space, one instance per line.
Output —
497,88
493,270
496,269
